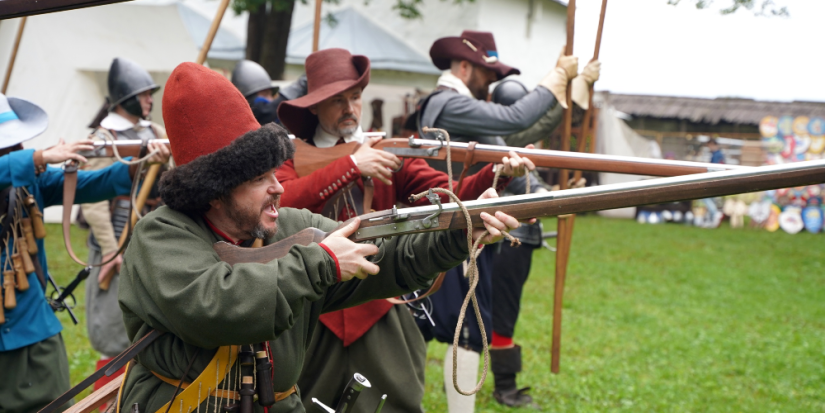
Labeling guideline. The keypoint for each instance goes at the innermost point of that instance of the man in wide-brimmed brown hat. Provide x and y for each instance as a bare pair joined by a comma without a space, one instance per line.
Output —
471,64
377,339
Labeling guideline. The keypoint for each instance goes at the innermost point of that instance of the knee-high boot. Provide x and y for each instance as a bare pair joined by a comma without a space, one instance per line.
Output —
506,363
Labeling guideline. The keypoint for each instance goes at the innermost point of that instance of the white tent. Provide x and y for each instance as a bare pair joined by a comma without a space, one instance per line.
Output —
64,58
614,137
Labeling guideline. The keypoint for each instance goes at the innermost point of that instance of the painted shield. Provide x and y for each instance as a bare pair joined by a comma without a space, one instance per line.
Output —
759,211
773,144
788,152
785,125
812,218
800,125
817,144
772,224
801,144
816,126
790,220
767,126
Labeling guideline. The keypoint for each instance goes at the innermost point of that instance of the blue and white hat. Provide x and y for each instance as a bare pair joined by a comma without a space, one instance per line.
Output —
20,120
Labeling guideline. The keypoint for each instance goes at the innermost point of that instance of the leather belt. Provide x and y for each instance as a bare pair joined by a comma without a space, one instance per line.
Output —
226,394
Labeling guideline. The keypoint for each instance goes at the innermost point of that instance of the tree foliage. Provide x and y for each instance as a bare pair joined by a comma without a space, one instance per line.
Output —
758,7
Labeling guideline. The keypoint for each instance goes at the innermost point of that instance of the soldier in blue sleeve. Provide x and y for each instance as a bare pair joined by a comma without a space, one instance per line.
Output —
32,353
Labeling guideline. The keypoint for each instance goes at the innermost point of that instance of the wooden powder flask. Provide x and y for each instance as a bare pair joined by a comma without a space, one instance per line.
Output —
19,272
2,313
28,232
8,284
36,217
23,250
263,375
247,394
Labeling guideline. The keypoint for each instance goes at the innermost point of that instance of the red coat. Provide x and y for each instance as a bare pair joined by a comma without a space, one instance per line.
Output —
312,191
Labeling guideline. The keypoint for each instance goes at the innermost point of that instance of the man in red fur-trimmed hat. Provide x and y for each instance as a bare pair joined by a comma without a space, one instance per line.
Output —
224,188
377,339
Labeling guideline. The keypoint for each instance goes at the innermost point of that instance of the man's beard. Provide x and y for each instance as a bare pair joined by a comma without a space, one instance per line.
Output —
348,130
478,89
250,221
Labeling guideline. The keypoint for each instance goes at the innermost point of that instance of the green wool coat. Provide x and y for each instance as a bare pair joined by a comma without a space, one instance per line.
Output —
173,281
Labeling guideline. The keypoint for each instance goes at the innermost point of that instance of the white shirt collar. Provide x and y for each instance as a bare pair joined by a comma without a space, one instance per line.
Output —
323,139
450,80
118,123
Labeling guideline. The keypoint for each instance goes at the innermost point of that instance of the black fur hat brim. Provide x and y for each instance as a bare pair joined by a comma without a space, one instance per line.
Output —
189,188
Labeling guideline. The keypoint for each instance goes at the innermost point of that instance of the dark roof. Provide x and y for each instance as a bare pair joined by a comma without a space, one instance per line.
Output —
732,110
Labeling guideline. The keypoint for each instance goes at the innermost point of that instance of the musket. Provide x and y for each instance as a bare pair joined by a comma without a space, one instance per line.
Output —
448,216
125,147
311,158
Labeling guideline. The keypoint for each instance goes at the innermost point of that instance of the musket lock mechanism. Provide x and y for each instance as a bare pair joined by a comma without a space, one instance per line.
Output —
401,223
415,150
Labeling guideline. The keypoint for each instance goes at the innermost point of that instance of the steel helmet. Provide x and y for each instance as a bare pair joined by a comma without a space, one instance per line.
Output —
127,79
250,78
508,92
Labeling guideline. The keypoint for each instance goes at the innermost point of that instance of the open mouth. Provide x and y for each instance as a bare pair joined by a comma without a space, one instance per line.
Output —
271,210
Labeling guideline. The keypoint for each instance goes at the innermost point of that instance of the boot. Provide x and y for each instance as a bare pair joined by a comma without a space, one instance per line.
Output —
506,363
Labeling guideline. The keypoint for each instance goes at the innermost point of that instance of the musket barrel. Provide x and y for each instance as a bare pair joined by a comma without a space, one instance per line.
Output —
597,198
125,147
556,159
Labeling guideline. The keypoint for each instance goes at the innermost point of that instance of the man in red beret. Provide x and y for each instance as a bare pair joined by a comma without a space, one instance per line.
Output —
214,314
378,339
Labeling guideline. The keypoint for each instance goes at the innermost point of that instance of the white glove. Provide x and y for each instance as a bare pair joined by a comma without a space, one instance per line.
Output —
556,81
582,83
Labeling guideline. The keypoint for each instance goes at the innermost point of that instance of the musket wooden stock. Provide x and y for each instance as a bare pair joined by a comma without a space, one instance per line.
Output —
541,157
449,216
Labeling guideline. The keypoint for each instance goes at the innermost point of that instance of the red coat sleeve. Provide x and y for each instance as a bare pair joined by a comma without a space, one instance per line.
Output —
475,185
313,190
417,176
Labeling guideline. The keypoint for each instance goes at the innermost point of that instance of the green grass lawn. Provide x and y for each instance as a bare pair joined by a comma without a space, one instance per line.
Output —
656,318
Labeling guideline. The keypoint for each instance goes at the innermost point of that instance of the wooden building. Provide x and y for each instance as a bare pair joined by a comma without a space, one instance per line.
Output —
681,125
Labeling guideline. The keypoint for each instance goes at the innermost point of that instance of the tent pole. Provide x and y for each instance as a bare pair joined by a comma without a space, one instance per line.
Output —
565,223
210,36
14,54
316,26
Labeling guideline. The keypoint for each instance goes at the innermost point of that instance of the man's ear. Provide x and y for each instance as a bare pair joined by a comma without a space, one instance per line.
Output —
216,204
313,110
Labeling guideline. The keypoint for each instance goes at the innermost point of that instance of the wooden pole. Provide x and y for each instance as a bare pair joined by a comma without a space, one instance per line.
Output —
13,54
567,119
154,170
316,27
563,241
564,222
588,114
210,36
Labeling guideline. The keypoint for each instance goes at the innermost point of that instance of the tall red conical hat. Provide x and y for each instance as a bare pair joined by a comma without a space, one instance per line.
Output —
216,142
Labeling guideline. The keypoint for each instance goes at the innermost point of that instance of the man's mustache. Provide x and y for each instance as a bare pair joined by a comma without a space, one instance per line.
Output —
347,117
276,199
